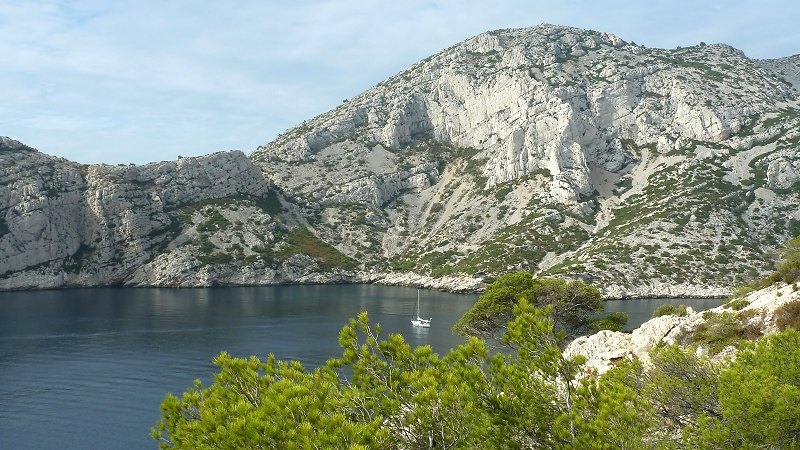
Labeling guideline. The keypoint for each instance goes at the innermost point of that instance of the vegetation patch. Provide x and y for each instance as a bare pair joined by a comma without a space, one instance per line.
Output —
722,330
74,263
265,252
401,264
788,316
205,246
614,321
501,193
573,306
215,222
215,258
270,204
472,165
166,234
301,241
787,270
518,246
623,185
670,310
737,304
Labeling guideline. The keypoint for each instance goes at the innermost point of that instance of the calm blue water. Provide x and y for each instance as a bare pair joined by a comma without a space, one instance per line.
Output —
88,368
641,310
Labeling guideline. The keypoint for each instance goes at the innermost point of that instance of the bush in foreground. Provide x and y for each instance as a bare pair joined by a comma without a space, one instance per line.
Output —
382,394
788,316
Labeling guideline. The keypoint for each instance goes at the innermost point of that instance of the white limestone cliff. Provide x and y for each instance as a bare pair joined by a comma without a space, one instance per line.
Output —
659,155
549,97
560,151
71,224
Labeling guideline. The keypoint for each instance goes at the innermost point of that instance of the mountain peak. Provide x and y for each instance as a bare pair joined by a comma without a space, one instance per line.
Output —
550,149
572,124
8,143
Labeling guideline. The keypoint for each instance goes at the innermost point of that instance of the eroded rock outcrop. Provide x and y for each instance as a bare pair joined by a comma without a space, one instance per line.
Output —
446,283
68,224
756,310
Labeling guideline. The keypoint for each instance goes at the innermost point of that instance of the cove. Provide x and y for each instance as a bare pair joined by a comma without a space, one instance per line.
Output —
88,368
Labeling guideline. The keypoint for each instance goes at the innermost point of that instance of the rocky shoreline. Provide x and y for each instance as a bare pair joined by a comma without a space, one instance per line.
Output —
757,311
453,284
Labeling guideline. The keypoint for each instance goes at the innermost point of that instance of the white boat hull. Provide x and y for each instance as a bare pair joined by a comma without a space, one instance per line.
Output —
420,322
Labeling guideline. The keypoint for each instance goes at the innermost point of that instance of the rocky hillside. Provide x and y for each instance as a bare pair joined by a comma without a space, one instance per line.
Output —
549,149
192,222
714,333
560,150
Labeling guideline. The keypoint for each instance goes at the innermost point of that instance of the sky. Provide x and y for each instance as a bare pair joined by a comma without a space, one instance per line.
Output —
126,81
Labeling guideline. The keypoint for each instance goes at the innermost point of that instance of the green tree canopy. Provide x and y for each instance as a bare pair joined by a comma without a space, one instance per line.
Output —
269,404
759,398
384,394
690,402
381,393
574,305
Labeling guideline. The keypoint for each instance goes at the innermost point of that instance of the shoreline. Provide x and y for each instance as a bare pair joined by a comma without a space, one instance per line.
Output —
452,284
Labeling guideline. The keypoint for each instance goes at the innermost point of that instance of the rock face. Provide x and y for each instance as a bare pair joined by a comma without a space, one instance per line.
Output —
65,224
550,149
757,311
548,98
563,152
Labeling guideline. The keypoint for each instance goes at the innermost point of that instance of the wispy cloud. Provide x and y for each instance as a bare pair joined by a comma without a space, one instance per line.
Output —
148,80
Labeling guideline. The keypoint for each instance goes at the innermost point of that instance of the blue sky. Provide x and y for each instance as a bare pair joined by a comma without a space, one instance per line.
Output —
139,81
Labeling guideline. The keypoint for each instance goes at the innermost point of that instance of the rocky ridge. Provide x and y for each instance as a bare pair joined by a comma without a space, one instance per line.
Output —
561,151
66,224
550,149
757,311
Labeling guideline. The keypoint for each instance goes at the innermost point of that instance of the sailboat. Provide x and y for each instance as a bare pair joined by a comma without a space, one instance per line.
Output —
419,321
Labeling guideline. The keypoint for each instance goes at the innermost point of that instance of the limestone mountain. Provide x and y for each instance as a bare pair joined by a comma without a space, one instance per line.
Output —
550,149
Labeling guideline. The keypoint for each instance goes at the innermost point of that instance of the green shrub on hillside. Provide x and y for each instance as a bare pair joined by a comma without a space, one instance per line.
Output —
667,309
270,203
722,330
216,221
215,258
758,398
788,316
737,304
303,242
788,270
